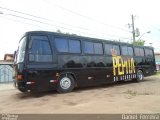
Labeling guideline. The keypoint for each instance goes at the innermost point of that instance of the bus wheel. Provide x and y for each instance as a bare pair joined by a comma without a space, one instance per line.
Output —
140,76
66,84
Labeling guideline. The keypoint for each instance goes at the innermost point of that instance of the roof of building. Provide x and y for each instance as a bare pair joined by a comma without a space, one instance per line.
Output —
8,55
157,53
2,62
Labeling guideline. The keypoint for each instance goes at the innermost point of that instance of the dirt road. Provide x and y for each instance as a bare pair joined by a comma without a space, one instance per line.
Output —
126,97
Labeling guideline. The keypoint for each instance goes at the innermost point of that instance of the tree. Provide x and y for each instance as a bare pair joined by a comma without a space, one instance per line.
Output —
139,42
59,31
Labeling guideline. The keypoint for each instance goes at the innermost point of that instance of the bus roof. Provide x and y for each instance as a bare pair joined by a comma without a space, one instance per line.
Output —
74,36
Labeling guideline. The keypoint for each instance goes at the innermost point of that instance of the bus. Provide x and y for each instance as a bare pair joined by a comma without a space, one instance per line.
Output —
54,61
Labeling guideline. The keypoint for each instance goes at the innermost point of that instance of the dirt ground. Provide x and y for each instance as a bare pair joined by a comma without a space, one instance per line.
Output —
123,97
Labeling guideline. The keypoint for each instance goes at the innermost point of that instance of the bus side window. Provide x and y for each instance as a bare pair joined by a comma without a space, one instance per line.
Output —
74,46
124,50
98,49
88,47
130,51
136,51
151,53
40,50
61,44
141,51
148,52
108,49
116,47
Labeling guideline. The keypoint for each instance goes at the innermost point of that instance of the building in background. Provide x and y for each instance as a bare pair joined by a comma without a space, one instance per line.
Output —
6,68
8,57
157,59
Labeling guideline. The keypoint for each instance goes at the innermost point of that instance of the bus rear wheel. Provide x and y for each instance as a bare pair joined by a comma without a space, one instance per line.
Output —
140,76
66,83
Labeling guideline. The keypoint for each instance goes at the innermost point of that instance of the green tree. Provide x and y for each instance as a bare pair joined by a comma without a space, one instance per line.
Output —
139,42
59,31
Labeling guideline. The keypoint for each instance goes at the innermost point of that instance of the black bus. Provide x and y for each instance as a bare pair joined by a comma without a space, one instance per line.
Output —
54,61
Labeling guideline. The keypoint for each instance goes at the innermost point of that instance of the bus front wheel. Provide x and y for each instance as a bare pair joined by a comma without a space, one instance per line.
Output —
140,76
66,83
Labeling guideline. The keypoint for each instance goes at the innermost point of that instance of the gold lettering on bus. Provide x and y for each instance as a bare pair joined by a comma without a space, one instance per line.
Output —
122,65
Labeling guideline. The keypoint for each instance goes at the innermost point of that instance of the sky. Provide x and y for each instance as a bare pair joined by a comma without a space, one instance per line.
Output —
105,19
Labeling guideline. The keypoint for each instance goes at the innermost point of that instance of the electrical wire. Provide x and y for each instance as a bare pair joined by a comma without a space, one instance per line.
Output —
60,26
18,21
48,23
41,18
86,17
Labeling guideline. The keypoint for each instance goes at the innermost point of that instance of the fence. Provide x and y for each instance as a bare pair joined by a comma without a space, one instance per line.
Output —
6,72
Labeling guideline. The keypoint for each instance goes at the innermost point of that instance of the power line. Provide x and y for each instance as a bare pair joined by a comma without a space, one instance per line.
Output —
39,22
41,18
59,26
89,18
48,23
22,22
1,3
61,22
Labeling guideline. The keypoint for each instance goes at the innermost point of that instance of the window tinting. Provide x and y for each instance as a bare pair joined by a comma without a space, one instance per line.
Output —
98,48
151,53
148,52
139,51
130,51
40,50
88,47
40,47
21,50
61,44
74,46
108,49
136,51
124,50
116,47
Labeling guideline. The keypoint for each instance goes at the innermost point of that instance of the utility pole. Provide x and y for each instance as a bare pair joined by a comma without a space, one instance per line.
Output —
133,29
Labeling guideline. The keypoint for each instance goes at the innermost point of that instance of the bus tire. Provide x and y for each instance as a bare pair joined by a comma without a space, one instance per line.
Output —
140,76
66,83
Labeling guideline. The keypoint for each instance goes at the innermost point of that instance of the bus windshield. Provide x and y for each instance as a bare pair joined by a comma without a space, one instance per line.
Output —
21,50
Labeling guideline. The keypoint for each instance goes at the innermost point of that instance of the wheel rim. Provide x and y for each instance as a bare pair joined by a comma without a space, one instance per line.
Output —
65,83
140,75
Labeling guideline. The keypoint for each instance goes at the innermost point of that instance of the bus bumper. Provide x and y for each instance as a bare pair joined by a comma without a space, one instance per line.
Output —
33,87
20,86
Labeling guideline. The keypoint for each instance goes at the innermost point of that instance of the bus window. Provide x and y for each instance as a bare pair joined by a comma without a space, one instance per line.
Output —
61,44
116,47
124,50
136,52
74,46
148,52
88,47
40,50
151,53
130,51
98,48
108,49
21,50
141,50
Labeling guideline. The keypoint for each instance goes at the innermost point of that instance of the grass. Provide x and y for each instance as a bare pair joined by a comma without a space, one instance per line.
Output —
135,93
130,92
157,73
